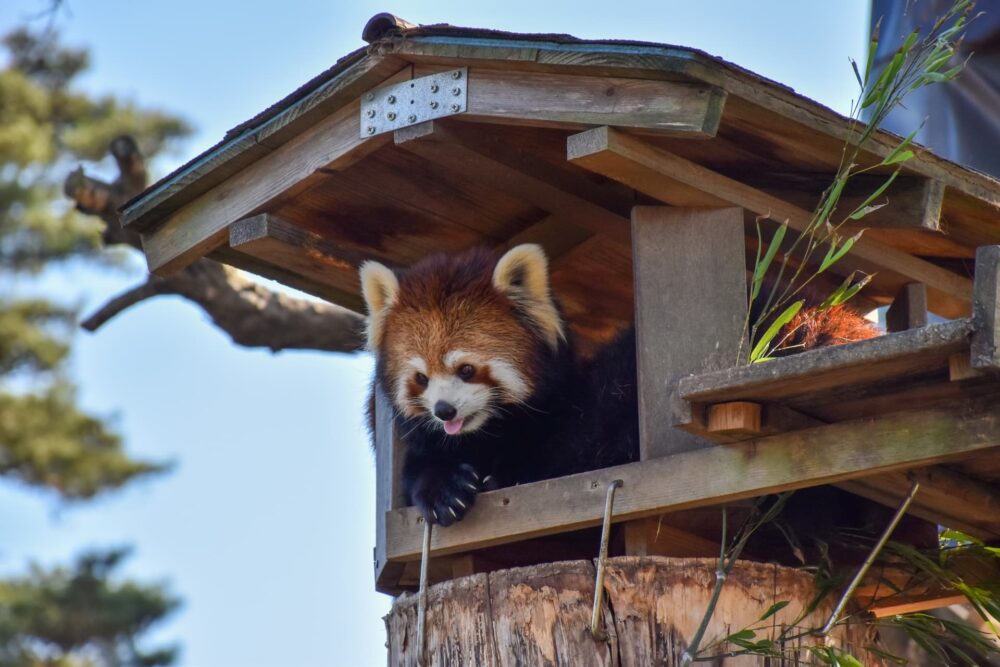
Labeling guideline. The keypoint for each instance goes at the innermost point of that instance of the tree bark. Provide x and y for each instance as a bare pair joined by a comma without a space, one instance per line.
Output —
540,615
252,315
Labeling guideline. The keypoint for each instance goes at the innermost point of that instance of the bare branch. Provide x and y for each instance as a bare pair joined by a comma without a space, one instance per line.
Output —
121,302
252,315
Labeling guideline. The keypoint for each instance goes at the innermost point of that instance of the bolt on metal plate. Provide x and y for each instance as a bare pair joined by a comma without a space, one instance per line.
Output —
415,101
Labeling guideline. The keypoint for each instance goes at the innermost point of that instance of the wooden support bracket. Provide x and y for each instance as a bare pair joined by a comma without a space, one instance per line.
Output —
305,260
675,180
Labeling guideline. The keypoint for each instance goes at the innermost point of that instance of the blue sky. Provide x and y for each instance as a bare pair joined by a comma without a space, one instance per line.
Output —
266,525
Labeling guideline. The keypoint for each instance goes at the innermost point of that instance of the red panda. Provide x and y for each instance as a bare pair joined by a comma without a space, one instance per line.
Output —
476,358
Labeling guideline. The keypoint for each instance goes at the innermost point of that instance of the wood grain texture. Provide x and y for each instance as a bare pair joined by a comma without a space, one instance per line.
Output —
740,418
329,266
690,287
253,143
388,490
437,143
908,309
333,143
825,369
680,182
985,352
540,615
576,102
821,455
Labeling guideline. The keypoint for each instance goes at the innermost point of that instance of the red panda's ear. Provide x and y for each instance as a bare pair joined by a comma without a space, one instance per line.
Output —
380,287
522,274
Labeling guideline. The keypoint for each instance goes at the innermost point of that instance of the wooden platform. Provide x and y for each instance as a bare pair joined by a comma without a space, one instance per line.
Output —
580,147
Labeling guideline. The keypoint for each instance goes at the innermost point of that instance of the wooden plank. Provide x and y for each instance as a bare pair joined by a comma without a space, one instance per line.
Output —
946,497
253,142
825,369
322,263
447,148
985,349
199,226
565,101
557,236
960,367
654,536
388,492
908,309
822,455
690,305
678,181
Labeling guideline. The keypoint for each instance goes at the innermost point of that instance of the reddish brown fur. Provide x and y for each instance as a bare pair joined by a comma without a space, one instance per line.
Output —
445,305
836,326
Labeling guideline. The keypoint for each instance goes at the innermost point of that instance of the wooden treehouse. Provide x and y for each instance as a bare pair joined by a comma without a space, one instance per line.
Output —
640,168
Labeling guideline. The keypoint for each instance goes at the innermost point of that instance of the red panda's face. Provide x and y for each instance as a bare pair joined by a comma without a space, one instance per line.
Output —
458,340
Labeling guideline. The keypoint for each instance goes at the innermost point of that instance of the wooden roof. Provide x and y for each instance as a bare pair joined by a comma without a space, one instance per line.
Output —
560,139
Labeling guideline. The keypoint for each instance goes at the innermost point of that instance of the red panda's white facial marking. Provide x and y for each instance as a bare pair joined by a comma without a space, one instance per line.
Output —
465,392
459,338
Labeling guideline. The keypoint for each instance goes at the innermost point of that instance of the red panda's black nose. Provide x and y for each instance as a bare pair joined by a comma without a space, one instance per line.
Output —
444,411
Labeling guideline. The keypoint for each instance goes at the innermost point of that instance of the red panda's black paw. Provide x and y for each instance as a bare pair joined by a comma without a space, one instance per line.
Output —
445,497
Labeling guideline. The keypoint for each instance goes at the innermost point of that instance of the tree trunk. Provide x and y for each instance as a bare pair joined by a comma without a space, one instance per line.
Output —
540,615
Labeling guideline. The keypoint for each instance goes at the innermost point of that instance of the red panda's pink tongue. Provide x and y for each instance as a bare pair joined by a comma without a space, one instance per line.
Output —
453,426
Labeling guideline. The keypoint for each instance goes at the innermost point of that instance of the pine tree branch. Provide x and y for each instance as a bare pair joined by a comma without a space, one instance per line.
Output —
252,315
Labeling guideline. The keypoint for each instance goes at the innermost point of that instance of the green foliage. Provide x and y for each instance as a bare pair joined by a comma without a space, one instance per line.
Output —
77,616
45,126
81,616
819,246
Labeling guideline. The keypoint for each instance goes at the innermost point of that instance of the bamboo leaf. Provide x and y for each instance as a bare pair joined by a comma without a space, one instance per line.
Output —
873,196
774,609
958,536
899,157
835,253
761,348
891,157
857,73
762,266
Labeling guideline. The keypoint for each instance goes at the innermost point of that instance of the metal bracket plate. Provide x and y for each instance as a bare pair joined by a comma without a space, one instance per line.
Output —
410,102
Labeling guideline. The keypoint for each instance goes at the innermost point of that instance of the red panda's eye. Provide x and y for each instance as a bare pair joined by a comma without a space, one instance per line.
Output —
421,379
466,372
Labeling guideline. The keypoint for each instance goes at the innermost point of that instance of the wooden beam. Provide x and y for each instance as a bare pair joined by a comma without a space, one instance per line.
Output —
946,497
690,305
908,309
654,536
825,369
740,419
554,233
565,101
680,182
822,455
986,310
453,151
324,268
201,225
388,492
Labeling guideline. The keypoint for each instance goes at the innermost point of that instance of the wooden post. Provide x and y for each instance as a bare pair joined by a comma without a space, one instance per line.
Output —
690,293
908,309
388,491
986,309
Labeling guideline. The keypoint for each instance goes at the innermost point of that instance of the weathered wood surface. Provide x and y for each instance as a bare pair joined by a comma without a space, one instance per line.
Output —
821,455
330,267
575,102
908,309
200,225
986,310
825,369
540,615
442,145
681,182
254,142
388,489
684,259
